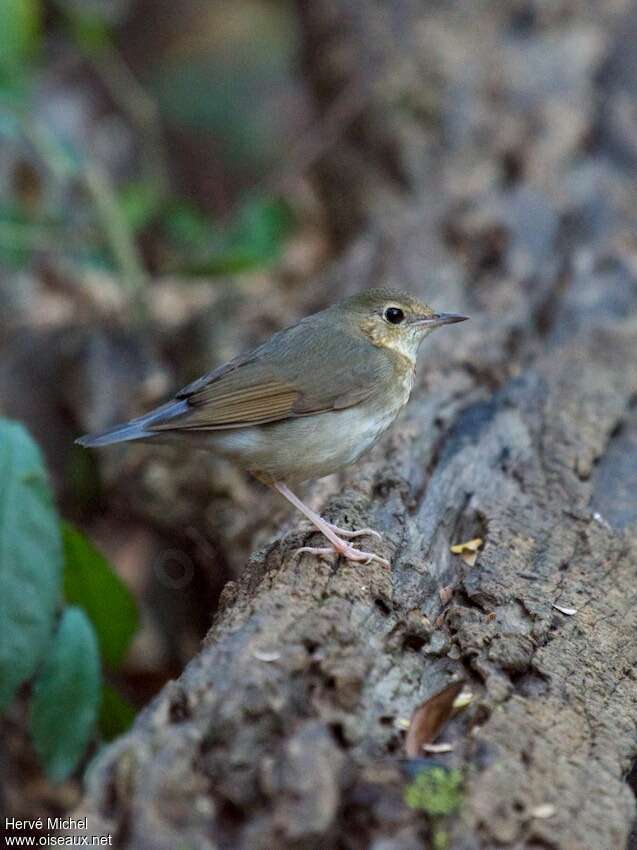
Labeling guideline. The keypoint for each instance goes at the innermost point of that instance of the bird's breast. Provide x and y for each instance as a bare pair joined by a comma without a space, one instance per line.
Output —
311,446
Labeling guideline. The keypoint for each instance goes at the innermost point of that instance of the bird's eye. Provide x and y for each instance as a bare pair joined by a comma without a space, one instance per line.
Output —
394,315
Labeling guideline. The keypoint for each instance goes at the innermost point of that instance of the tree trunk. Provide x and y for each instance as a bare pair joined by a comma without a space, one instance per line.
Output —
488,167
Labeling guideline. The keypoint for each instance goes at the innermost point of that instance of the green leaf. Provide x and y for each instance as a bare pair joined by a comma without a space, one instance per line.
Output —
186,226
66,696
139,202
116,713
30,559
90,30
15,246
254,238
21,21
91,584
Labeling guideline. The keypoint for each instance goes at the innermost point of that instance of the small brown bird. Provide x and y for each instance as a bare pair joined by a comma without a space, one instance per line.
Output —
307,402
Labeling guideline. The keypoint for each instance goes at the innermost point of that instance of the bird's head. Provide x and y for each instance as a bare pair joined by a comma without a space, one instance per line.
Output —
395,320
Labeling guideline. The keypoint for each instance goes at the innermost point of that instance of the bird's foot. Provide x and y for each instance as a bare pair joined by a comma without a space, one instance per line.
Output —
346,550
337,544
361,532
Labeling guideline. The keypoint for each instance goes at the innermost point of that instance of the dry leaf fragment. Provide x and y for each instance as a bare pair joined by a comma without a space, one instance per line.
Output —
568,611
467,546
266,656
429,718
437,748
543,812
468,550
464,698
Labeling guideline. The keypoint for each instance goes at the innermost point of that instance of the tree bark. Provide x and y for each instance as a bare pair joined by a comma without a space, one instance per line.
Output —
488,170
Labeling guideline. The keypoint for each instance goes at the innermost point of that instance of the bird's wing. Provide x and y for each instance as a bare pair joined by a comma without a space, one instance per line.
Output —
293,374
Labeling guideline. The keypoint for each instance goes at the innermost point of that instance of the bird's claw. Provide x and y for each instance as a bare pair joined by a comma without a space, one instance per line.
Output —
361,532
346,551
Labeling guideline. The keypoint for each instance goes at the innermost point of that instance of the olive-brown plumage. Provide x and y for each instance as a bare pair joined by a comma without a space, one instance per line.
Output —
308,401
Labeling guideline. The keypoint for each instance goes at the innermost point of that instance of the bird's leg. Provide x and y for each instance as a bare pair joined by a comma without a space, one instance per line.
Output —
340,546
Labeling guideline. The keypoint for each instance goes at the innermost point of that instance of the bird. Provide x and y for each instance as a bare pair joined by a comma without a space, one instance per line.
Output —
306,403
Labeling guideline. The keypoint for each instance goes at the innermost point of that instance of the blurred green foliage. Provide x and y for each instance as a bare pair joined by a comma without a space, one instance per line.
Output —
140,203
116,713
92,218
64,614
90,583
30,559
89,29
59,647
66,695
254,237
201,96
20,29
226,73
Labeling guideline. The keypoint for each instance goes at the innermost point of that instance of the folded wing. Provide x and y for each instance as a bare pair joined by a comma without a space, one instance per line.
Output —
291,375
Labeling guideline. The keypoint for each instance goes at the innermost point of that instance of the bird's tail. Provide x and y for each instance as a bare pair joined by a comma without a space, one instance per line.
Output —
136,429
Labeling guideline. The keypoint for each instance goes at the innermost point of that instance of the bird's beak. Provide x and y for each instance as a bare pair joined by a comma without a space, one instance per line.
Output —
439,319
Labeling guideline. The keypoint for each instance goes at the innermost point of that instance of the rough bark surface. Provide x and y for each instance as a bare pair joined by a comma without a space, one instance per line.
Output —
490,170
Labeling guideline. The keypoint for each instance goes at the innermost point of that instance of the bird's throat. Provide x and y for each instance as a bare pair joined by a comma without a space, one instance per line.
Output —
393,343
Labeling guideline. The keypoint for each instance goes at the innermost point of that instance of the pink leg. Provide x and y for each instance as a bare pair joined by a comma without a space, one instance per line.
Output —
341,547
